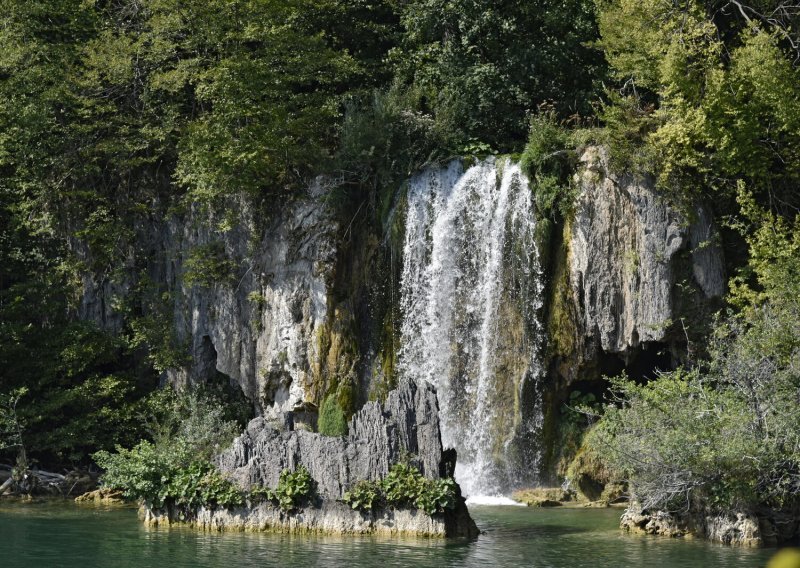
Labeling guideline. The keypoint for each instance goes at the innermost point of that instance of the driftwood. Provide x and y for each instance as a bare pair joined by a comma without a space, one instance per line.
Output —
38,481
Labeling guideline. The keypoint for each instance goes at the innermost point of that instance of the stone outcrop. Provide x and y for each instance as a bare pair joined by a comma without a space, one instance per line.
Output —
749,529
328,517
406,427
624,245
379,436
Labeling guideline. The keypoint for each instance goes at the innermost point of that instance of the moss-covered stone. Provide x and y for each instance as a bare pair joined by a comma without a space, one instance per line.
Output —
542,496
588,474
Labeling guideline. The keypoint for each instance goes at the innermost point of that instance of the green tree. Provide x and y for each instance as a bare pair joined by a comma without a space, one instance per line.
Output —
726,434
715,90
481,68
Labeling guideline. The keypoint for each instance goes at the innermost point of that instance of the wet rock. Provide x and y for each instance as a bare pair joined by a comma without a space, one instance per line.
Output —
103,496
731,528
542,496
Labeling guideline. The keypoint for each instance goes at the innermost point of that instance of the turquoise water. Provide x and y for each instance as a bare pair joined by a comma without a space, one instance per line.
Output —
71,536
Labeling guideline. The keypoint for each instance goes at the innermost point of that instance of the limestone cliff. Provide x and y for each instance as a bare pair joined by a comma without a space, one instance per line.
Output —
298,301
246,295
633,274
633,282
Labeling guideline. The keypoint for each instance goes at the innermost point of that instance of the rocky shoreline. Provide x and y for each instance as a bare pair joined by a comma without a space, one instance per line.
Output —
326,517
735,528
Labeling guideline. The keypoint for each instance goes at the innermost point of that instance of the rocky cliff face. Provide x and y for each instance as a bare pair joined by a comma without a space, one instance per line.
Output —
298,304
633,283
634,272
255,301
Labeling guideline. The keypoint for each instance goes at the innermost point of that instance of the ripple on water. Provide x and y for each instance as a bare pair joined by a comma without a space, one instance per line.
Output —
71,537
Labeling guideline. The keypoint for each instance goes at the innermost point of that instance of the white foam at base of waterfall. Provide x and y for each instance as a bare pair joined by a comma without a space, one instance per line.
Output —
493,500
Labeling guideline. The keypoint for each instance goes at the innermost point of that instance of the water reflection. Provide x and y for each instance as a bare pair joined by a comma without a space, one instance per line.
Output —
67,536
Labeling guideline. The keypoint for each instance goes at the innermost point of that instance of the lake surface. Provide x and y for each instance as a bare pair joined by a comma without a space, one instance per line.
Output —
48,535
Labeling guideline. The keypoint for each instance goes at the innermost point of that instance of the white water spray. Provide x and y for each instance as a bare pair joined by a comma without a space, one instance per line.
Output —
470,292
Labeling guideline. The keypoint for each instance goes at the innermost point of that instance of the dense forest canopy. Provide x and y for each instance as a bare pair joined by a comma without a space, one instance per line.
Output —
115,113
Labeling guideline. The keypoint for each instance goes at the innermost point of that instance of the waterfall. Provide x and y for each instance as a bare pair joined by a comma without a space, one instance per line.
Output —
470,294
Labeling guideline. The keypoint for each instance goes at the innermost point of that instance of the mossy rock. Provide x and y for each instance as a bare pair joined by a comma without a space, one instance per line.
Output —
542,496
588,474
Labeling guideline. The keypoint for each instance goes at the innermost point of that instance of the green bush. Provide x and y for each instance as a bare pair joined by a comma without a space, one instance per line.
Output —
549,161
404,487
332,421
437,495
364,495
187,430
725,434
293,488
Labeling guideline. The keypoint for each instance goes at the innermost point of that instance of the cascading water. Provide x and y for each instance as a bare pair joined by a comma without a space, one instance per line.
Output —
470,293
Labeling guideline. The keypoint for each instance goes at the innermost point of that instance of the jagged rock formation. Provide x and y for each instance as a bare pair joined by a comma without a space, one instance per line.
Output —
405,427
750,529
379,436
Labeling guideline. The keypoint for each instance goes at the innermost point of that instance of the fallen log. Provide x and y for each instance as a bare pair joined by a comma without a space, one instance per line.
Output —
8,482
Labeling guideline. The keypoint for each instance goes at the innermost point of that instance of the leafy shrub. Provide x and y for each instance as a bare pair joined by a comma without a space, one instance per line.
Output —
549,160
437,495
293,487
332,421
725,434
187,430
364,495
208,265
405,486
202,485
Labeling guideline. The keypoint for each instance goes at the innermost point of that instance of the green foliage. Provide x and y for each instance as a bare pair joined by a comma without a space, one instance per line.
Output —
364,495
332,421
293,488
175,468
405,486
11,427
209,265
155,333
725,434
437,496
201,484
482,68
712,94
549,161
